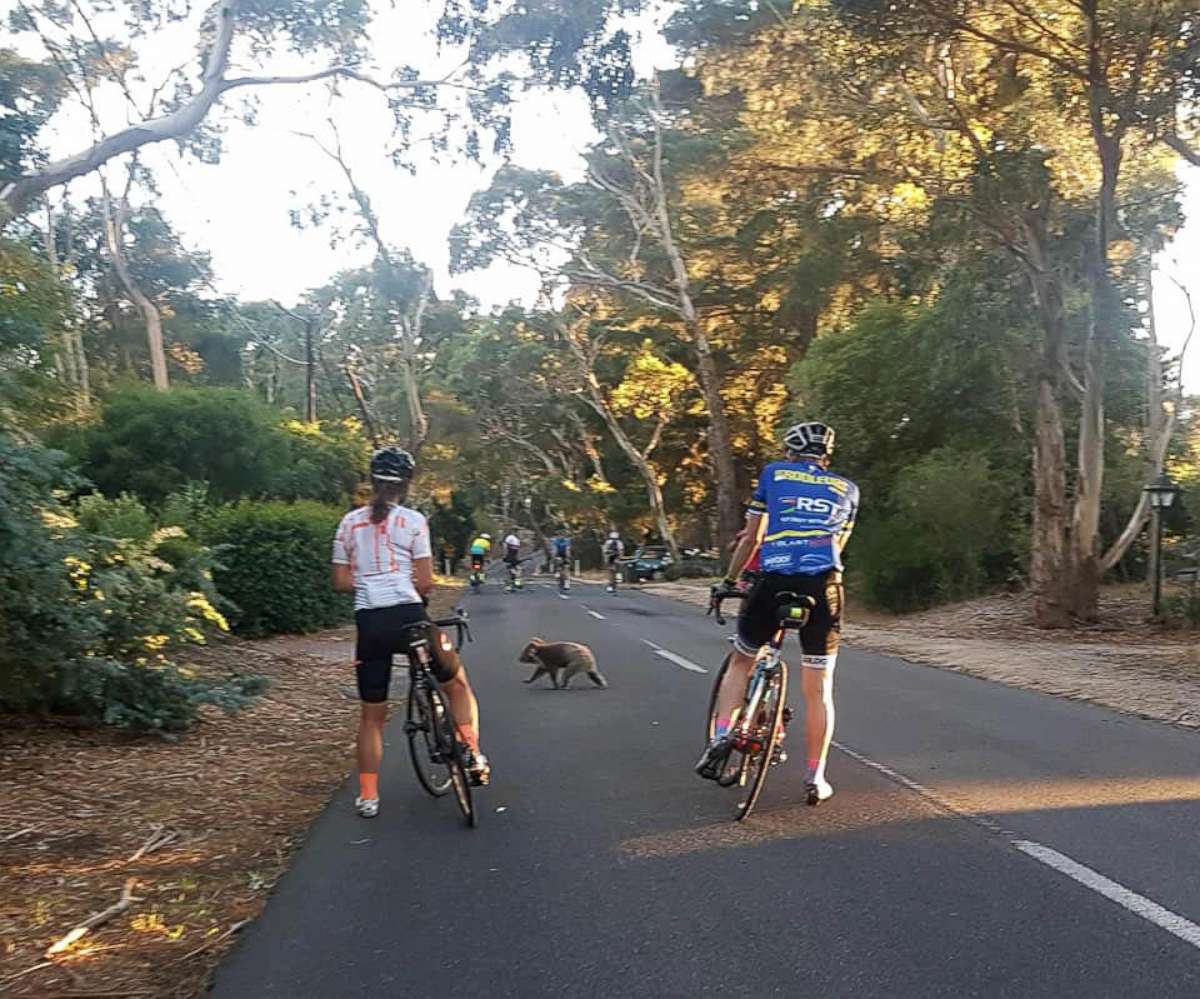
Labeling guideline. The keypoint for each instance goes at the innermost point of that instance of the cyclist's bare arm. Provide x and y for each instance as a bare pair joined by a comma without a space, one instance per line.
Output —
745,548
343,578
422,574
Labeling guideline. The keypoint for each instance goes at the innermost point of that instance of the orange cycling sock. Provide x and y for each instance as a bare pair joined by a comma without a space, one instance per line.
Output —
368,786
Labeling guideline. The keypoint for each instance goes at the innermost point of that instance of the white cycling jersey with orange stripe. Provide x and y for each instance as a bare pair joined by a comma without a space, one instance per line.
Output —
381,555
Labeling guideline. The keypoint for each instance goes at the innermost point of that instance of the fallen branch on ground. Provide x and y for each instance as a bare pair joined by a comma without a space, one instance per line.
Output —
158,839
17,834
27,971
93,921
216,940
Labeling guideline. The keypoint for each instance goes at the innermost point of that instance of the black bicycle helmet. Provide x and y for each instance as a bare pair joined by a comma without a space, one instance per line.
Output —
392,464
810,439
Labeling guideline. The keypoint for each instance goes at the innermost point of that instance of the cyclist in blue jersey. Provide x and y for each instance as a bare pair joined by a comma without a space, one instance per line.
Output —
802,514
562,558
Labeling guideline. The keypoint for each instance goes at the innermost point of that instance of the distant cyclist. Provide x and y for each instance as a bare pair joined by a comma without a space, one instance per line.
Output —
512,556
613,550
381,554
562,559
478,550
802,515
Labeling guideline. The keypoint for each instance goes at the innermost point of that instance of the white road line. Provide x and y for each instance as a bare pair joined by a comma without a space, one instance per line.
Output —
598,617
671,657
1139,905
563,596
1128,899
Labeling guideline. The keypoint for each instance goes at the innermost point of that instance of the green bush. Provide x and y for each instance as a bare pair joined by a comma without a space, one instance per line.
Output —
124,517
947,534
1182,610
154,444
88,623
322,463
452,525
273,564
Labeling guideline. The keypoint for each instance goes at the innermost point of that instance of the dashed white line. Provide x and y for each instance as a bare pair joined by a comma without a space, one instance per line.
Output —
595,614
1127,898
672,657
563,596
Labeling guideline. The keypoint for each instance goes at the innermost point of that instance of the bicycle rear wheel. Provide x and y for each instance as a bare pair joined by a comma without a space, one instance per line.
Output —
767,725
451,750
711,731
427,760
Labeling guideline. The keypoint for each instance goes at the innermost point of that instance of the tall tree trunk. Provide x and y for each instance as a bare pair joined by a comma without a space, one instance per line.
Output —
1049,569
114,225
1049,561
418,421
1085,532
82,370
71,359
647,471
720,444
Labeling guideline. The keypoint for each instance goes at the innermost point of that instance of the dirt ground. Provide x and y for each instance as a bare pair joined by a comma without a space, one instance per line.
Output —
186,838
1123,662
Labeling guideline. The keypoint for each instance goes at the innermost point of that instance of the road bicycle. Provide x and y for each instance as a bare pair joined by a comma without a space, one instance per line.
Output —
515,578
476,577
564,578
759,726
614,573
515,582
439,757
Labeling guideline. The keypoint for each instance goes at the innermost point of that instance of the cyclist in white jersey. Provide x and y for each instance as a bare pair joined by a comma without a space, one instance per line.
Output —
382,554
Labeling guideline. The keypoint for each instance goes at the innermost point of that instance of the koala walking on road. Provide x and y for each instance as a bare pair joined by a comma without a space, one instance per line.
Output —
561,661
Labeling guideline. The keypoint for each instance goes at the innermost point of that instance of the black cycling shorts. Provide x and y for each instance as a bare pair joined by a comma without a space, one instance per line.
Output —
757,622
381,634
476,561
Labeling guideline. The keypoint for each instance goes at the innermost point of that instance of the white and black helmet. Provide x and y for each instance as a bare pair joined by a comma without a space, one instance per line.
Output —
812,439
392,464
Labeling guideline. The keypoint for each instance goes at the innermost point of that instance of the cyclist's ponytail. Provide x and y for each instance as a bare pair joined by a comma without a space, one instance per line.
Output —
385,494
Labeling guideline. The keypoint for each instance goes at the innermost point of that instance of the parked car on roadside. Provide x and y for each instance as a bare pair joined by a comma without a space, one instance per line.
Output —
649,562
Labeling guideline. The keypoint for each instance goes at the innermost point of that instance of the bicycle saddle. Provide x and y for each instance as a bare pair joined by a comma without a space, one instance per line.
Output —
792,610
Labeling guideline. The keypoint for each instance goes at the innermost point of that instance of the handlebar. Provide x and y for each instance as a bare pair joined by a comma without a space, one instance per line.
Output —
460,622
717,598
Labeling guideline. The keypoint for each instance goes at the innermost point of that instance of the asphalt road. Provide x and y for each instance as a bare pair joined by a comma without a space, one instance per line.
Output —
983,841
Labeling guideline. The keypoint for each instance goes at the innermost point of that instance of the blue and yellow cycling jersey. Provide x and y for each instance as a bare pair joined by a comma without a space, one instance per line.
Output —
480,546
810,513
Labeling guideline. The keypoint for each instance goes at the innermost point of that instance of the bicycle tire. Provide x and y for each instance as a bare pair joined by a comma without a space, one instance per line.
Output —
452,749
775,701
711,731
422,744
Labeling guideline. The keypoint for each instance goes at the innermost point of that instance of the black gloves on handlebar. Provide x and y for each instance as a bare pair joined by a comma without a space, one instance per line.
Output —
725,588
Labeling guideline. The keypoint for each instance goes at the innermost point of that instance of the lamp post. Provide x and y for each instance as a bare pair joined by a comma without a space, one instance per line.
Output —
1161,493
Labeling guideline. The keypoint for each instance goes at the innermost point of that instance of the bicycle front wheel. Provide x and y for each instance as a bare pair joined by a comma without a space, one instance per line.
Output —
423,747
451,750
768,724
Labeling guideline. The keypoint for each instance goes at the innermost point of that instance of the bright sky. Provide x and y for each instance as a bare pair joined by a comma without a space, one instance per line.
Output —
238,210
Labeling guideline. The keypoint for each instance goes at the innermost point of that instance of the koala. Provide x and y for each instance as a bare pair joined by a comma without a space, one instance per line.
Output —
561,661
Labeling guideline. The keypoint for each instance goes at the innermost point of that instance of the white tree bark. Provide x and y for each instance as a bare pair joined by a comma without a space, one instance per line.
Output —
114,226
17,195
